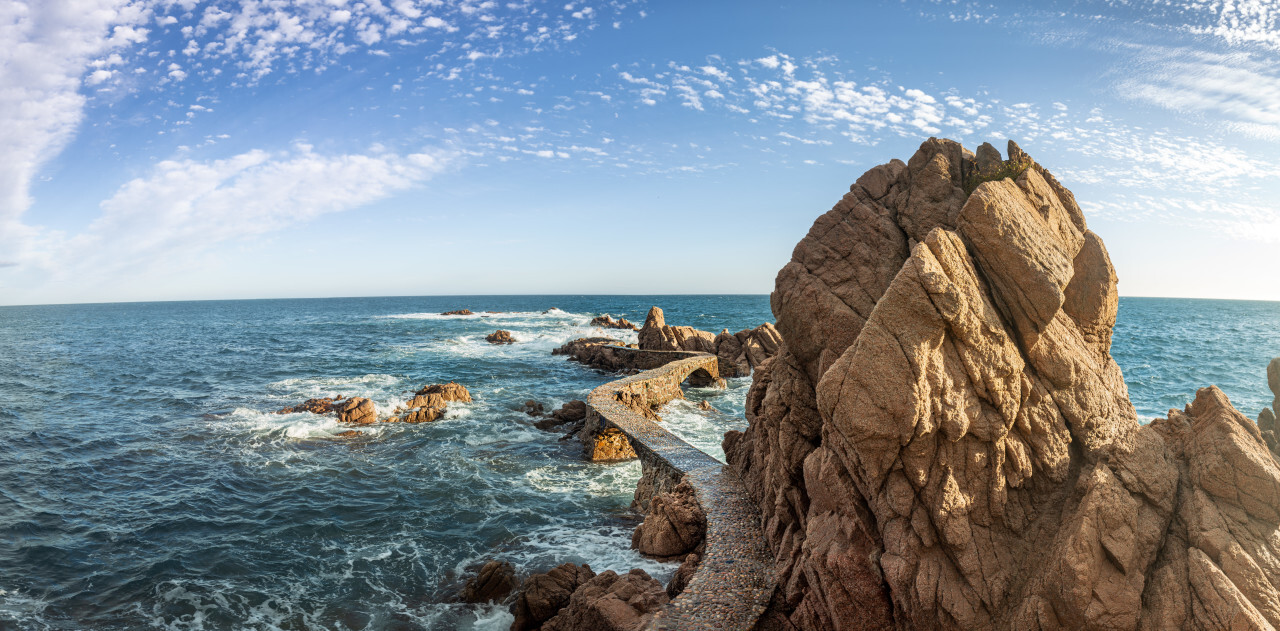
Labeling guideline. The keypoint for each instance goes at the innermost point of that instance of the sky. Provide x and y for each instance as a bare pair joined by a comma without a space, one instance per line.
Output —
183,150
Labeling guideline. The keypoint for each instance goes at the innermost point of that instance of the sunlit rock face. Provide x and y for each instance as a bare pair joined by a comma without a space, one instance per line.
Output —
944,441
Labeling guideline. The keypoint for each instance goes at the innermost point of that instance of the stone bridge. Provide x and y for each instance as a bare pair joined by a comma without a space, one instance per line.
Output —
735,580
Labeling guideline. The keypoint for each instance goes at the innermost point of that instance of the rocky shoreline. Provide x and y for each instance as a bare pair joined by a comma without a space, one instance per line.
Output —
938,435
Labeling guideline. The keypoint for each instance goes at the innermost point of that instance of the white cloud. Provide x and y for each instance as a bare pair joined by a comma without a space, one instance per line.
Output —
185,205
45,50
1239,89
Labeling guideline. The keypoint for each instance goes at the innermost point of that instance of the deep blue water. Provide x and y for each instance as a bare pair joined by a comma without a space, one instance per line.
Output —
145,483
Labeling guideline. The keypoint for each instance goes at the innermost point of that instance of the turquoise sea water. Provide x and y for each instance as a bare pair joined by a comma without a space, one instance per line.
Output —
146,483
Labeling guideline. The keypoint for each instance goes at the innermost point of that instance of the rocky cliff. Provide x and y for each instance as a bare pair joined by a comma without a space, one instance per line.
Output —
943,440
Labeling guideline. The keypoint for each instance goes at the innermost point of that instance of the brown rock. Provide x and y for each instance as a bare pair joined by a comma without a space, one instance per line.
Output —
657,336
943,440
314,406
493,582
570,412
599,353
609,323
543,595
358,410
500,337
683,575
351,433
705,405
439,395
424,414
611,602
675,525
533,408
459,312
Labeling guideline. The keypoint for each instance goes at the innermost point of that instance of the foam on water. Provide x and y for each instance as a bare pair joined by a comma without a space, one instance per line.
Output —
153,506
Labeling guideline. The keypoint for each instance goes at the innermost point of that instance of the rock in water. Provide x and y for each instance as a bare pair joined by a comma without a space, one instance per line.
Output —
611,602
543,595
608,322
493,582
358,410
500,337
945,442
314,406
458,312
439,395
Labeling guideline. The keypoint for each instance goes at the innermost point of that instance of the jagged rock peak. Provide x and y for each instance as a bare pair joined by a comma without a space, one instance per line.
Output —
945,442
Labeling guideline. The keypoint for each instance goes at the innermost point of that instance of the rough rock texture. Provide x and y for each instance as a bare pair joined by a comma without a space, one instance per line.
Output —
598,353
675,525
500,336
739,352
314,406
533,408
683,575
944,442
608,322
425,414
655,335
570,412
439,395
543,595
611,602
1267,418
357,410
458,312
493,582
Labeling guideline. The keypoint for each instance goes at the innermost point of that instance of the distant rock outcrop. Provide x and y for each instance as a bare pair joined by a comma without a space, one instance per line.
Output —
458,312
598,353
500,337
945,442
739,352
608,322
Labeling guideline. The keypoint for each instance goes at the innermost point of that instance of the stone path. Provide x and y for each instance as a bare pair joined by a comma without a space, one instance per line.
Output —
735,580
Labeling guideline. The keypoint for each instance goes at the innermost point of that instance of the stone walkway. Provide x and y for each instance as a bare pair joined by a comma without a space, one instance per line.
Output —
735,580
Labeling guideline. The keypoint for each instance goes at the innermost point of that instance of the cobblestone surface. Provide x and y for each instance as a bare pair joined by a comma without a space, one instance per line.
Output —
734,581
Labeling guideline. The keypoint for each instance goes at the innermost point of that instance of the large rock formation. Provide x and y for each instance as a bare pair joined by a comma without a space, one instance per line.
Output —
739,352
944,441
493,582
501,336
675,525
358,410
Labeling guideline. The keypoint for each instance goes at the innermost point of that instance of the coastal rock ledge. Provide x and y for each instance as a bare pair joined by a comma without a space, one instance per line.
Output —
944,441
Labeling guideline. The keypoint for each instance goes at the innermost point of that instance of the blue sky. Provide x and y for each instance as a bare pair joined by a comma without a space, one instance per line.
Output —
175,149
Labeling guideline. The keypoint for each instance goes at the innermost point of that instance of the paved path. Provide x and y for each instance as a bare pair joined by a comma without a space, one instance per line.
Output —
735,580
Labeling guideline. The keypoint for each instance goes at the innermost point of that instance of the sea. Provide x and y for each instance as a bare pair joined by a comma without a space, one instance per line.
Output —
146,481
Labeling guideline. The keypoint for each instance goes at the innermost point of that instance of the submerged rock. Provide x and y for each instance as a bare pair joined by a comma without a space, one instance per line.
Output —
608,322
493,582
944,441
571,412
542,596
533,408
314,406
500,337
